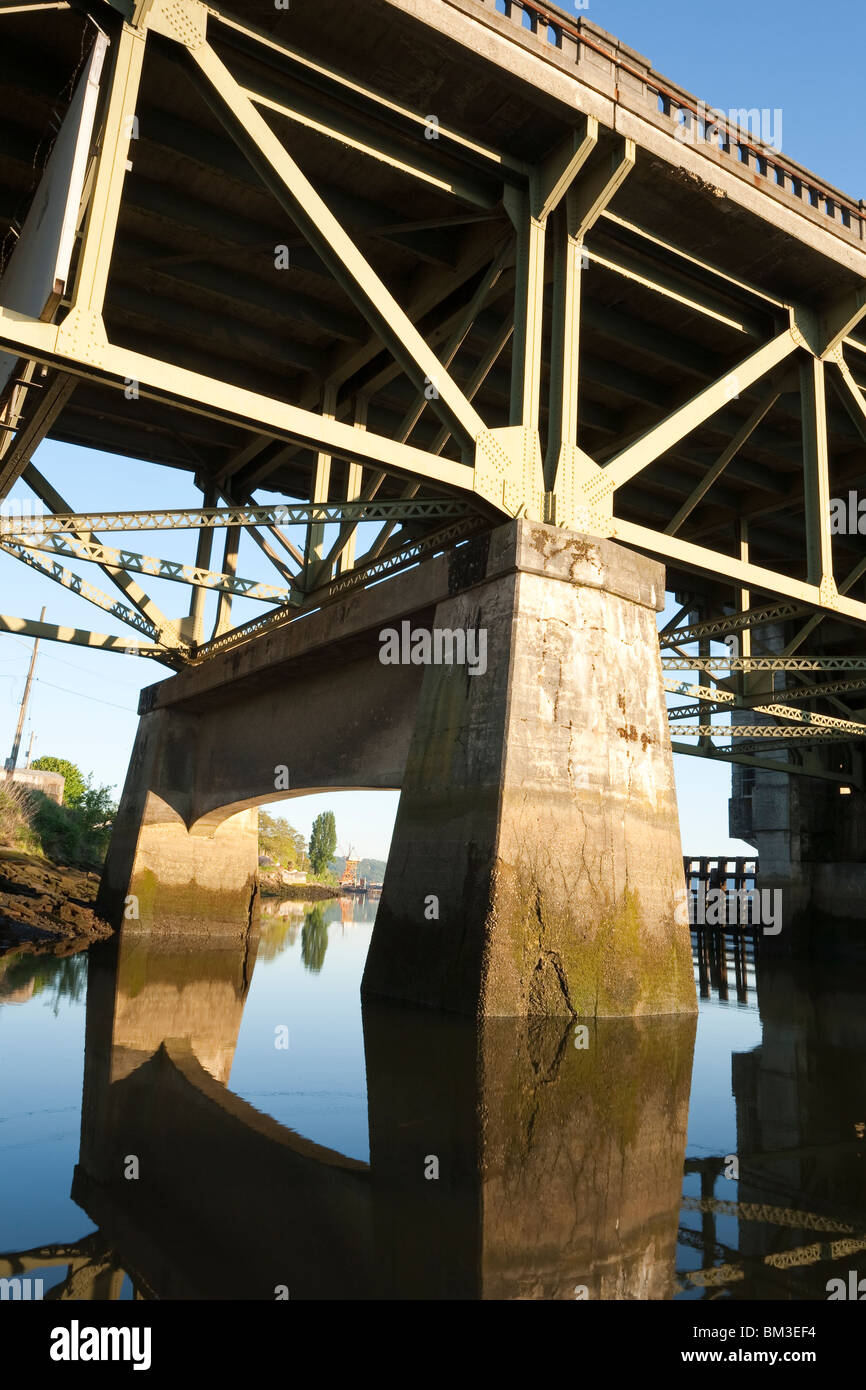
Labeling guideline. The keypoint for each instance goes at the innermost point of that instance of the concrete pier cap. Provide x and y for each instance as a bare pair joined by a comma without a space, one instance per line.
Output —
536,863
512,689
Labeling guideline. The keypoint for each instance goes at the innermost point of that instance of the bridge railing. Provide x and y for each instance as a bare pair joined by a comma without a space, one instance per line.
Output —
604,62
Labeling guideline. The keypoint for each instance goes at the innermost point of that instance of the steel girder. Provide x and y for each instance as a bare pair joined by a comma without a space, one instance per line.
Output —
783,732
500,471
222,581
206,518
763,663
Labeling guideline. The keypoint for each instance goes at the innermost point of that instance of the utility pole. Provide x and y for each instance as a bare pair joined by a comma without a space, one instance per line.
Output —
13,759
30,747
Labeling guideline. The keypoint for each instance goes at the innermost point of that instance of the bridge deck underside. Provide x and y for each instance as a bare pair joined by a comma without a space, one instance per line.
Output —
681,281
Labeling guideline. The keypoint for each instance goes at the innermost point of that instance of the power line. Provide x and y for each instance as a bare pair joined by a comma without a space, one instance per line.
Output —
130,685
83,696
49,656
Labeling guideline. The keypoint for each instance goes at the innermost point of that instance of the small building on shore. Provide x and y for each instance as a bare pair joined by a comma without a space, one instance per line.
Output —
49,783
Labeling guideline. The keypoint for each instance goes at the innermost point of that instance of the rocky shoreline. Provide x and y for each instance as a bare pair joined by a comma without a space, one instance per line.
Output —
46,907
272,885
49,908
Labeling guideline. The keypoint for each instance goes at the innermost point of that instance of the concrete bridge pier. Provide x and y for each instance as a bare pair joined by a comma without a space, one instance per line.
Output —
160,873
513,689
811,842
809,832
536,865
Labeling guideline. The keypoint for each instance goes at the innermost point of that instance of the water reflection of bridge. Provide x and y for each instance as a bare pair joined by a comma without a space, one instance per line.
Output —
799,1200
92,1269
560,1167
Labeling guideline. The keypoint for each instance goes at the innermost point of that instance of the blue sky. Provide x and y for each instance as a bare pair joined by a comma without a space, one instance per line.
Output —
806,62
802,58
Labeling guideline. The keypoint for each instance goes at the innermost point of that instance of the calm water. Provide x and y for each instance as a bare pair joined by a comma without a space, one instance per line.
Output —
226,1122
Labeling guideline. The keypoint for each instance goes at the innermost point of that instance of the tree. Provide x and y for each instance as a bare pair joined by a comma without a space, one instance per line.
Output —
75,784
323,842
314,938
281,842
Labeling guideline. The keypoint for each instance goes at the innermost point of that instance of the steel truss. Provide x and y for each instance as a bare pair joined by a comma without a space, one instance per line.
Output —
496,472
400,557
149,564
206,518
720,628
763,663
836,729
770,732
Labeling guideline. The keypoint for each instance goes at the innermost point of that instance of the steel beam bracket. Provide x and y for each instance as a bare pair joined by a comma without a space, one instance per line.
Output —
185,21
804,328
508,471
828,592
823,331
82,337
583,497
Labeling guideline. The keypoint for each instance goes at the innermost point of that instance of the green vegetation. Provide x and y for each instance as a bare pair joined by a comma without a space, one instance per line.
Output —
60,977
286,847
314,936
281,842
323,843
277,934
15,813
75,835
75,785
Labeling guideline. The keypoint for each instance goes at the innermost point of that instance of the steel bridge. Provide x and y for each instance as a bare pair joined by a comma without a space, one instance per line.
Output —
414,270
557,286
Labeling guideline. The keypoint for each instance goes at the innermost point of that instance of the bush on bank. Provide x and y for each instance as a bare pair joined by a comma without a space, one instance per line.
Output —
74,835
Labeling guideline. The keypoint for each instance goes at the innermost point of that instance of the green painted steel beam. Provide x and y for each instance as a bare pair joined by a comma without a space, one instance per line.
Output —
763,663
785,732
76,585
734,622
83,637
160,569
197,518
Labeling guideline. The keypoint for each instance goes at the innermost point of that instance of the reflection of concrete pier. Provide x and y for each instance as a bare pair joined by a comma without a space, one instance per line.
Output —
801,1128
800,1202
202,1001
558,1166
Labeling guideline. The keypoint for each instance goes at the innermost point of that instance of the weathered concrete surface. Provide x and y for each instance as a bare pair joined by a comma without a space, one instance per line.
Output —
536,865
310,697
811,845
185,843
538,798
162,872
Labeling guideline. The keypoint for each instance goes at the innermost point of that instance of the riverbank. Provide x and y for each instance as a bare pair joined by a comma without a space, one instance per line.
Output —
45,907
271,887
